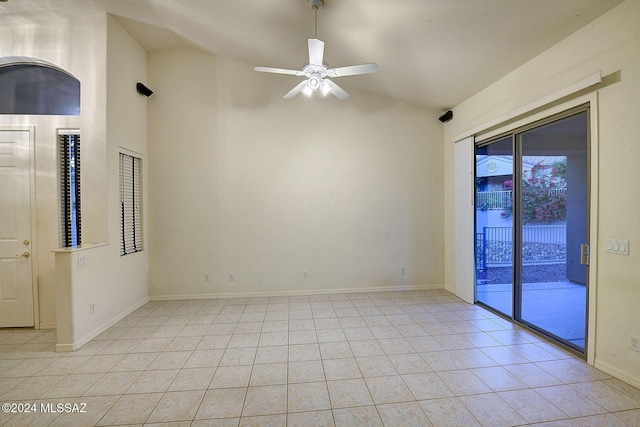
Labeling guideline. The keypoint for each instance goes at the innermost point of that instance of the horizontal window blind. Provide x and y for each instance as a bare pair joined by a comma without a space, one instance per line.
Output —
130,204
70,212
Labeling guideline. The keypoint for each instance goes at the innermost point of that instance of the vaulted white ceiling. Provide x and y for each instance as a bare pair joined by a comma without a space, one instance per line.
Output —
434,53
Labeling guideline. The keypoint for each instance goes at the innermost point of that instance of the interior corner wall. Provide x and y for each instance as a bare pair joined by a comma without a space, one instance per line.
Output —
245,182
609,44
127,285
78,46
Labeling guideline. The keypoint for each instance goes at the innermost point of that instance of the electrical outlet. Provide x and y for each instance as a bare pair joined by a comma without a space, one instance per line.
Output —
82,261
305,274
232,277
634,343
92,308
403,271
207,277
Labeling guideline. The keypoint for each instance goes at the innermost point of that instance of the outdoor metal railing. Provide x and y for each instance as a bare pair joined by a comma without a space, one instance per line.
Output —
540,244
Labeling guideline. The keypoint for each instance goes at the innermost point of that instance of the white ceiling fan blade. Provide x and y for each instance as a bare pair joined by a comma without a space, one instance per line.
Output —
353,70
296,90
316,51
336,90
279,71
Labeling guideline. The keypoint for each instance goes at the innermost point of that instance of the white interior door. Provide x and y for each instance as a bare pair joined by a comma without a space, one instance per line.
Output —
16,281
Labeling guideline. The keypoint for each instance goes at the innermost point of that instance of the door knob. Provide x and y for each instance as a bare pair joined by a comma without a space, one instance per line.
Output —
26,255
26,242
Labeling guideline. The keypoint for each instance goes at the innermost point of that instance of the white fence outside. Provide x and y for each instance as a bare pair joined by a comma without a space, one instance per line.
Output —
489,200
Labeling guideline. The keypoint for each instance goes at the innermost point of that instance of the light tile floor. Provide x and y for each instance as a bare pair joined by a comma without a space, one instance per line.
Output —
367,359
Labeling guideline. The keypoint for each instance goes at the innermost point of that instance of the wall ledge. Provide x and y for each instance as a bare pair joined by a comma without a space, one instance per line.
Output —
72,249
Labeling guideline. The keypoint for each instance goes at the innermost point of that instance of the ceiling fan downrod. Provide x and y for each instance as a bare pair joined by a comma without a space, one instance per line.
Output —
315,5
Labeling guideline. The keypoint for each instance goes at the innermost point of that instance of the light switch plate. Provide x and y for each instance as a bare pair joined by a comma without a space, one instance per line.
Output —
618,247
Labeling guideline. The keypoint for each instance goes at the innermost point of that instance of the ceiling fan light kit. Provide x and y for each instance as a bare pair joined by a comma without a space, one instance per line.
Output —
317,73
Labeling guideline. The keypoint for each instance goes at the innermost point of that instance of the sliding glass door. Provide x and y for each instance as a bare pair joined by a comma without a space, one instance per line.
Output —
554,225
494,225
532,227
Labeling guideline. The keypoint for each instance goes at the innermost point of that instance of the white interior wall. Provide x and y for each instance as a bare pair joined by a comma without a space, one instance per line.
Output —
609,44
128,281
243,181
79,47
108,62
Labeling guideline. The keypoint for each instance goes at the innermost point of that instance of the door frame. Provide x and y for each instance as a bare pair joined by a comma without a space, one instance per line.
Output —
590,99
33,216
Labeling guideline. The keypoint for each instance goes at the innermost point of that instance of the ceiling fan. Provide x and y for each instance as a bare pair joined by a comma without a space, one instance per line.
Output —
317,73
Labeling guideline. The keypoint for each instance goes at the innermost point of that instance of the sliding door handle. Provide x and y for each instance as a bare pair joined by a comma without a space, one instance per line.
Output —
584,254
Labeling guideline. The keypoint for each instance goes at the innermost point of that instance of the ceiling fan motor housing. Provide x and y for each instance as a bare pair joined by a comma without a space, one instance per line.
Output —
316,4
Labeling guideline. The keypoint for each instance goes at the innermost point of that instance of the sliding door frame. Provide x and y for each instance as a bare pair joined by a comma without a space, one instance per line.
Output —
535,118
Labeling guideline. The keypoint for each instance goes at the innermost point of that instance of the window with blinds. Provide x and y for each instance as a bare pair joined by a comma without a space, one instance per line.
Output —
130,204
69,154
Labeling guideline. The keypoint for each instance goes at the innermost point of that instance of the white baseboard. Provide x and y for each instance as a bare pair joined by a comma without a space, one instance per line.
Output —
68,347
65,348
48,325
294,292
453,290
618,373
